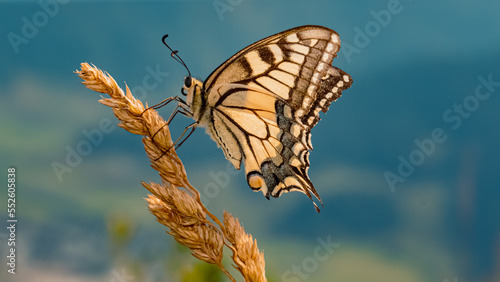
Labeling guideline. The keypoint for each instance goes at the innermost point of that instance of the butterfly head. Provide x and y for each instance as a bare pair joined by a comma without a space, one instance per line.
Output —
192,90
191,86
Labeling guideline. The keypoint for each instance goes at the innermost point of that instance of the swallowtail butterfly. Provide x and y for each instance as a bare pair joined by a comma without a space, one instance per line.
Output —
260,105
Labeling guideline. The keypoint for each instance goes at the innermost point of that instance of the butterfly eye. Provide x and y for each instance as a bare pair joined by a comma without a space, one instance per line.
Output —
187,81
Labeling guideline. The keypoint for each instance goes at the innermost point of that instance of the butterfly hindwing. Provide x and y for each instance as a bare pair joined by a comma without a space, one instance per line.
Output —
265,100
261,131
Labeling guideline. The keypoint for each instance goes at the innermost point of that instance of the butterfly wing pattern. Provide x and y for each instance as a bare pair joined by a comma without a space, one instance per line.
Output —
262,103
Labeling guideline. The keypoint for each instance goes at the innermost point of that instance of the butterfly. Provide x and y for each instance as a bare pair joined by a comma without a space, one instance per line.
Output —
260,105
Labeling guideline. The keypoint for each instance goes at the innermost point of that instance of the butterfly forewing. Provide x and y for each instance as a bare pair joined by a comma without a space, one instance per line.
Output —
264,101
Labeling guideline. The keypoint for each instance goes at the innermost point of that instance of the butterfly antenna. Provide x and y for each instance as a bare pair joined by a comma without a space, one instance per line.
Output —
174,54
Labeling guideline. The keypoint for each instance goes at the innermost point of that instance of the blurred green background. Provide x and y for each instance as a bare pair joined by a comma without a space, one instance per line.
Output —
418,67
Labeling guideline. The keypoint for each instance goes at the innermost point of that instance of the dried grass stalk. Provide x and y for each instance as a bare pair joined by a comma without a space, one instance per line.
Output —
175,203
249,261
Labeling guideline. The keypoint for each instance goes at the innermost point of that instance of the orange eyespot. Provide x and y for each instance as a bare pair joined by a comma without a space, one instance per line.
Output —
255,181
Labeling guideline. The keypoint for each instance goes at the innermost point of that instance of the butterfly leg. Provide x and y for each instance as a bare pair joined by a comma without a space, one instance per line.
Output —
191,127
165,102
182,108
176,144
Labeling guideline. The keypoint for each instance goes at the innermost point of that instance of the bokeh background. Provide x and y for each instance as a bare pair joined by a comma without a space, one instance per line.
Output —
84,218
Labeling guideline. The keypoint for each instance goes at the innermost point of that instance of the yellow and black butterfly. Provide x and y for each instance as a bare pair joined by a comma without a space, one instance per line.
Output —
260,105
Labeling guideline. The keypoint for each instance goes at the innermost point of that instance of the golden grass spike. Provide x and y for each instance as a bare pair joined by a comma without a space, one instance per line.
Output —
175,203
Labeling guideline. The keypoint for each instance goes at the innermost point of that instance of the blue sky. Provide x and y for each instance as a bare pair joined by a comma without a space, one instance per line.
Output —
414,73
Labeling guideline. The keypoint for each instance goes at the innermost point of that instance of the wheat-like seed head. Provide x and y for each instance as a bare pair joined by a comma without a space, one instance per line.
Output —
250,262
175,203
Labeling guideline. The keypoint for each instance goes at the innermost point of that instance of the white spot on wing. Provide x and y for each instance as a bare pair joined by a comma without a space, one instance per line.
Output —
335,38
329,47
321,66
311,89
315,78
346,78
326,57
306,102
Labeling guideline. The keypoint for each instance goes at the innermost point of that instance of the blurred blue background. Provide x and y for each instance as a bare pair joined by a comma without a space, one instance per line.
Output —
423,69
